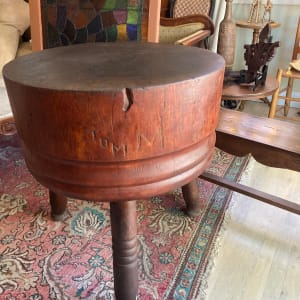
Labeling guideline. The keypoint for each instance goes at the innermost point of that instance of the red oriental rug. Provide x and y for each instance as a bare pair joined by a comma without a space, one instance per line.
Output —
72,259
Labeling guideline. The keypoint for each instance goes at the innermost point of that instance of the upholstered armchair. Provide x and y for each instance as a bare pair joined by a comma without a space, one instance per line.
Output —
186,30
189,23
14,22
14,41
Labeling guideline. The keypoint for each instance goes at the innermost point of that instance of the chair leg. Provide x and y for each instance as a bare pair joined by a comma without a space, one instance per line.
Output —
288,95
274,101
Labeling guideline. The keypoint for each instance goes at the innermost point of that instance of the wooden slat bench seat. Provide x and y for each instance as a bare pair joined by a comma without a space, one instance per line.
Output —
271,142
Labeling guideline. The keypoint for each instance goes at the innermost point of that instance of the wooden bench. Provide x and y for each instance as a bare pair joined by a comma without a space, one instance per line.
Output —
271,142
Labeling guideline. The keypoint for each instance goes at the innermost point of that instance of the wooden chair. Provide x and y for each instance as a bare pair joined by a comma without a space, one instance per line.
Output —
47,30
189,24
291,74
61,23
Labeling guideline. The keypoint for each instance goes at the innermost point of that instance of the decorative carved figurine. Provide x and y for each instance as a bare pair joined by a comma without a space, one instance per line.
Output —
268,8
255,11
256,57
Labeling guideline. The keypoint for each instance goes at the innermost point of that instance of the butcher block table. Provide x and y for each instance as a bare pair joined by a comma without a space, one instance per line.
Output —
117,122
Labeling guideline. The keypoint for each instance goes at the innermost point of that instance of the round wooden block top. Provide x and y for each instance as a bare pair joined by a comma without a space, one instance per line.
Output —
116,121
111,66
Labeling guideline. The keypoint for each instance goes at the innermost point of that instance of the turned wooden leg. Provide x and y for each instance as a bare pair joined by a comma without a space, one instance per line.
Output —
191,197
58,206
275,97
124,244
289,91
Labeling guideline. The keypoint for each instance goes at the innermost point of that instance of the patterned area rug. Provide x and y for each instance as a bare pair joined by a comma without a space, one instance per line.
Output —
72,259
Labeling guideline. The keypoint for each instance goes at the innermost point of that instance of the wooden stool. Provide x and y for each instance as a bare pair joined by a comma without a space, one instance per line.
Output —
117,122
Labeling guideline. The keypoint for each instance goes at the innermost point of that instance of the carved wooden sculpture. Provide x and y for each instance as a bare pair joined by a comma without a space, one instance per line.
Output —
256,57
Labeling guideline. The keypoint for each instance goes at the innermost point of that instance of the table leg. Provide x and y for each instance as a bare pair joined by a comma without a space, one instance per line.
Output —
124,244
58,206
191,197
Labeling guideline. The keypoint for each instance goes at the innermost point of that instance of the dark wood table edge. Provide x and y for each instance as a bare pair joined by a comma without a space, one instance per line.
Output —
230,141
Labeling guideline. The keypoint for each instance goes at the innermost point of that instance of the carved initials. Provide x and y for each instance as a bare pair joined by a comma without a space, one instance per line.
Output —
142,139
105,143
122,149
115,149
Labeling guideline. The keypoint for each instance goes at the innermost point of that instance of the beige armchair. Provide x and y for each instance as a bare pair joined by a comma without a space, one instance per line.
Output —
14,21
186,30
190,22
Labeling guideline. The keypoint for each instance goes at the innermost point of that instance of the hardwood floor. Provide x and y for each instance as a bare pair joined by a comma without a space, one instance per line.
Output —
259,247
258,250
261,109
